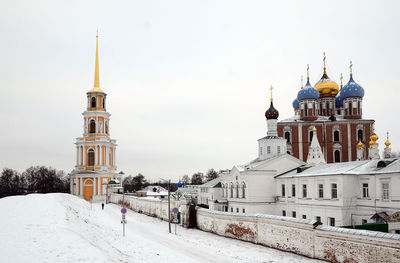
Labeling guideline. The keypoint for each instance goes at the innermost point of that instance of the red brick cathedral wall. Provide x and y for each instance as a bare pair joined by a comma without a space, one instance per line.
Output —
325,137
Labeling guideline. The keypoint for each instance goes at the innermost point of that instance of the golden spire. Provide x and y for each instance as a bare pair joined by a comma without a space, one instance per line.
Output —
351,68
387,143
271,93
324,63
308,72
360,144
96,68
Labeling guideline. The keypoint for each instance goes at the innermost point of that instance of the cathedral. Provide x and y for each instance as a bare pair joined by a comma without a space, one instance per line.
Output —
336,114
95,167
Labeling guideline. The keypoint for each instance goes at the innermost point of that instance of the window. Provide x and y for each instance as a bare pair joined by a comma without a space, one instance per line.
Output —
334,191
231,190
320,191
350,108
244,190
336,136
268,149
293,190
331,221
397,231
337,156
359,135
287,136
231,209
359,108
90,157
237,210
385,191
107,127
93,104
364,221
237,192
104,103
304,216
92,128
365,193
328,111
304,191
318,218
283,213
313,112
283,190
294,214
244,210
279,149
311,135
320,109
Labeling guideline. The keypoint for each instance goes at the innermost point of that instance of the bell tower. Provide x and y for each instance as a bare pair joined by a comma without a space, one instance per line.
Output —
95,151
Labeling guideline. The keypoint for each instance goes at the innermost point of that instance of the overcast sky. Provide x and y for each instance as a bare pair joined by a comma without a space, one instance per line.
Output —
187,81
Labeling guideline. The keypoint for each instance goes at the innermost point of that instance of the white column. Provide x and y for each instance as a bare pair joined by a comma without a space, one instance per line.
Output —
98,185
84,156
348,142
77,155
300,132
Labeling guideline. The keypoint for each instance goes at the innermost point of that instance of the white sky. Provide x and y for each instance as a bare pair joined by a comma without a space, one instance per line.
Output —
187,81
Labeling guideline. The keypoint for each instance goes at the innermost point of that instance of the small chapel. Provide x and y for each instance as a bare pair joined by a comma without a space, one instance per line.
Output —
95,168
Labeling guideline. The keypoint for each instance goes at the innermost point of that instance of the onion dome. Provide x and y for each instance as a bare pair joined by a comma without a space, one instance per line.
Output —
271,113
308,92
352,89
296,104
387,143
360,145
374,137
327,87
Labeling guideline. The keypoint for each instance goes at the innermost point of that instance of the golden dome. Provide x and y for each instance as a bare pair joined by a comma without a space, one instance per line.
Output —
371,144
387,143
327,87
374,137
360,145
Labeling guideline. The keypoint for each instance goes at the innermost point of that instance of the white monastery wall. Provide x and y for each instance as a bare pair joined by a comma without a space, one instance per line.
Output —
299,236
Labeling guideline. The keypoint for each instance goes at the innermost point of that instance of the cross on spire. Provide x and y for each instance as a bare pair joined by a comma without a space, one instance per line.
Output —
308,71
271,93
324,60
351,68
341,80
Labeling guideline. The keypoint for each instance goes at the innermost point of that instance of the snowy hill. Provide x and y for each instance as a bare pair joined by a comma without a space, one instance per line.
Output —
63,228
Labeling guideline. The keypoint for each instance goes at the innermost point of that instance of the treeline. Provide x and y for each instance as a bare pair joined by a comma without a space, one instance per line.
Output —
138,182
35,179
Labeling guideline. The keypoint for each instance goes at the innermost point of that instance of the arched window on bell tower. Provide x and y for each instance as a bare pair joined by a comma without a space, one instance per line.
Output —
92,128
91,157
93,102
337,156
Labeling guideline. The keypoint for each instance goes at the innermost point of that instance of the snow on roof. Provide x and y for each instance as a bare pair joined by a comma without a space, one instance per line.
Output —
153,188
211,183
359,232
351,168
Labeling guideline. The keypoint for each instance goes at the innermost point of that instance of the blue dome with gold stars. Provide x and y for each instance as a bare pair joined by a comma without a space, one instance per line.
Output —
296,104
352,90
308,92
339,100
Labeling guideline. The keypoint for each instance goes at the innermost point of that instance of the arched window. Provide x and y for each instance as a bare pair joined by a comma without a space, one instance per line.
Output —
92,126
231,190
311,135
336,136
287,136
337,156
90,157
359,135
226,190
350,108
314,113
243,190
107,127
359,108
104,103
237,190
223,190
93,102
328,110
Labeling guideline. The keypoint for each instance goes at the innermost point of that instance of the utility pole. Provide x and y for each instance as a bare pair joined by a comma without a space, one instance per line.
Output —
169,205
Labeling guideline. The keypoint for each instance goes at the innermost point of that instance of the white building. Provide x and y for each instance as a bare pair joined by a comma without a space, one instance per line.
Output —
336,194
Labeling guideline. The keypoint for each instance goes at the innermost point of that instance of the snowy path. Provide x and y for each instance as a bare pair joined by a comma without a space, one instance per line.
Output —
62,228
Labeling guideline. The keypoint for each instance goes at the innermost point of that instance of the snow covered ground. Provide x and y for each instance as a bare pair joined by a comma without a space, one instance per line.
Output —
64,228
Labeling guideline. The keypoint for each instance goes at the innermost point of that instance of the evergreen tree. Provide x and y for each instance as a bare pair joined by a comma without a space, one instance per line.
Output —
211,174
197,178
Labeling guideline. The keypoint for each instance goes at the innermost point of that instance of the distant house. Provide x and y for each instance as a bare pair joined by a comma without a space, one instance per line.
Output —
153,191
209,194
